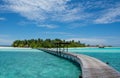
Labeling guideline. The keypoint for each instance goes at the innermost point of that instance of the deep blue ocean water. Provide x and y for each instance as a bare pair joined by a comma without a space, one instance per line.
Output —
110,55
30,63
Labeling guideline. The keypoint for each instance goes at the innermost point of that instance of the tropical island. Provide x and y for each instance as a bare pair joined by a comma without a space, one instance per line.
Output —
47,43
50,43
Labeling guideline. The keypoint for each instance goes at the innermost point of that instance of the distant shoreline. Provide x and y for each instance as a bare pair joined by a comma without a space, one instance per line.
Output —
10,47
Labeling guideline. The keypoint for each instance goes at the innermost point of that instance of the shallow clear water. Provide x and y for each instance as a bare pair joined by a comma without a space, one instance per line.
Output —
111,55
30,63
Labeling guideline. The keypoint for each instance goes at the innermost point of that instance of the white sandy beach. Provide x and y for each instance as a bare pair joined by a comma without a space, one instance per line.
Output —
12,48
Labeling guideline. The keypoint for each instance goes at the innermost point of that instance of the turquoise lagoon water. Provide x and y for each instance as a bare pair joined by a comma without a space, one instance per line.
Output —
111,55
31,63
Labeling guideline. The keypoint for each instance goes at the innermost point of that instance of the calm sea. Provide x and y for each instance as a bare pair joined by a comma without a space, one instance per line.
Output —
110,55
31,63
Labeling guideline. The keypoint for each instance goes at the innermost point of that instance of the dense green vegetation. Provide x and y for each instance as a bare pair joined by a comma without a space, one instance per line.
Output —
47,43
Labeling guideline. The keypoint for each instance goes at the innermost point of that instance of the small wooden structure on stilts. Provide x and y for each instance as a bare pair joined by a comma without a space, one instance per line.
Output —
62,46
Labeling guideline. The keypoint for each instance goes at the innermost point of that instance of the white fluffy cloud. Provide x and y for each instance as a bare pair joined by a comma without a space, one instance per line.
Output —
2,19
48,26
109,16
42,11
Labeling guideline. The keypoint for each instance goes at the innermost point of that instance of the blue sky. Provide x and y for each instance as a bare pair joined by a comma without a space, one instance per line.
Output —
90,21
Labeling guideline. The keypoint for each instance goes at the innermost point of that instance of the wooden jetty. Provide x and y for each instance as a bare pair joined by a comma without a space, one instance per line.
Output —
91,67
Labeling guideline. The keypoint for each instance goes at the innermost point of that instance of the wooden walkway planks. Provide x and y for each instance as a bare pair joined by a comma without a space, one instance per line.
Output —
91,67
94,68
